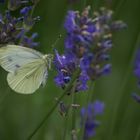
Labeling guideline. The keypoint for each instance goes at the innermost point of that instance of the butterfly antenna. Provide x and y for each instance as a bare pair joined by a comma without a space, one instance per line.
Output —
56,41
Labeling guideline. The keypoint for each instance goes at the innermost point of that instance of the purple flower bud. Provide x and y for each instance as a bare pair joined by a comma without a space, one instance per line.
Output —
98,107
107,44
25,11
106,69
70,24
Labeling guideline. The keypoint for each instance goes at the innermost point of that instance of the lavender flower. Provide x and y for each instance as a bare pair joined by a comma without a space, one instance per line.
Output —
9,28
88,118
14,30
87,46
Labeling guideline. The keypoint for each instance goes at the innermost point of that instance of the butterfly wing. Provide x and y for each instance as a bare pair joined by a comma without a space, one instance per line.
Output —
28,78
13,57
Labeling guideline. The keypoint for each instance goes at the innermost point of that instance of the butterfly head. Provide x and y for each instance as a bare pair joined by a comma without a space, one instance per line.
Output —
48,58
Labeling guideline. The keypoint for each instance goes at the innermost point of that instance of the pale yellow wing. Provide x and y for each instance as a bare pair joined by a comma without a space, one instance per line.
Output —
13,57
28,78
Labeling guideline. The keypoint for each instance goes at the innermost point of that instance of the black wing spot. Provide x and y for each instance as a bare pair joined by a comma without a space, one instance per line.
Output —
17,66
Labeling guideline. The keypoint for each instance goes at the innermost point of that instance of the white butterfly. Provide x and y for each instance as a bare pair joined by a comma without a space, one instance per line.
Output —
27,68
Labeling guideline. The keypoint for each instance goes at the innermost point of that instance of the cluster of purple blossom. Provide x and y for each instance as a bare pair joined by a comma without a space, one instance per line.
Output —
88,117
88,41
14,30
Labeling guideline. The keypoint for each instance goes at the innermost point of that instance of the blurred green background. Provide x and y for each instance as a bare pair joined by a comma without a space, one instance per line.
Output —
21,114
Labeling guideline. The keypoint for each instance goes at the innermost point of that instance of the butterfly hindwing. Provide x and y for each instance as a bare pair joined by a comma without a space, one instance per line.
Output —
28,78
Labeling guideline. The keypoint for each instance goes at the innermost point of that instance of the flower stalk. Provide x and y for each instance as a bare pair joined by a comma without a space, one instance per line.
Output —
53,108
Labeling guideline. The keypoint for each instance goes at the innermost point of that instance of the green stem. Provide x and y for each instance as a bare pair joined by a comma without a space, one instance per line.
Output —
69,109
73,110
89,97
118,108
34,6
66,125
73,114
138,134
73,126
84,3
58,101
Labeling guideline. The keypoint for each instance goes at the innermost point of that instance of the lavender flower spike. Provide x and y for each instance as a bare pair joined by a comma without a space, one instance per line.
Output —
87,45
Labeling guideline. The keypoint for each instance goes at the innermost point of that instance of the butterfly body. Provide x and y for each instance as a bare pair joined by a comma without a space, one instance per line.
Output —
28,69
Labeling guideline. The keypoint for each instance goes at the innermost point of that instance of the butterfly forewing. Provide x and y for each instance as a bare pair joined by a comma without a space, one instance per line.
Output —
13,57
